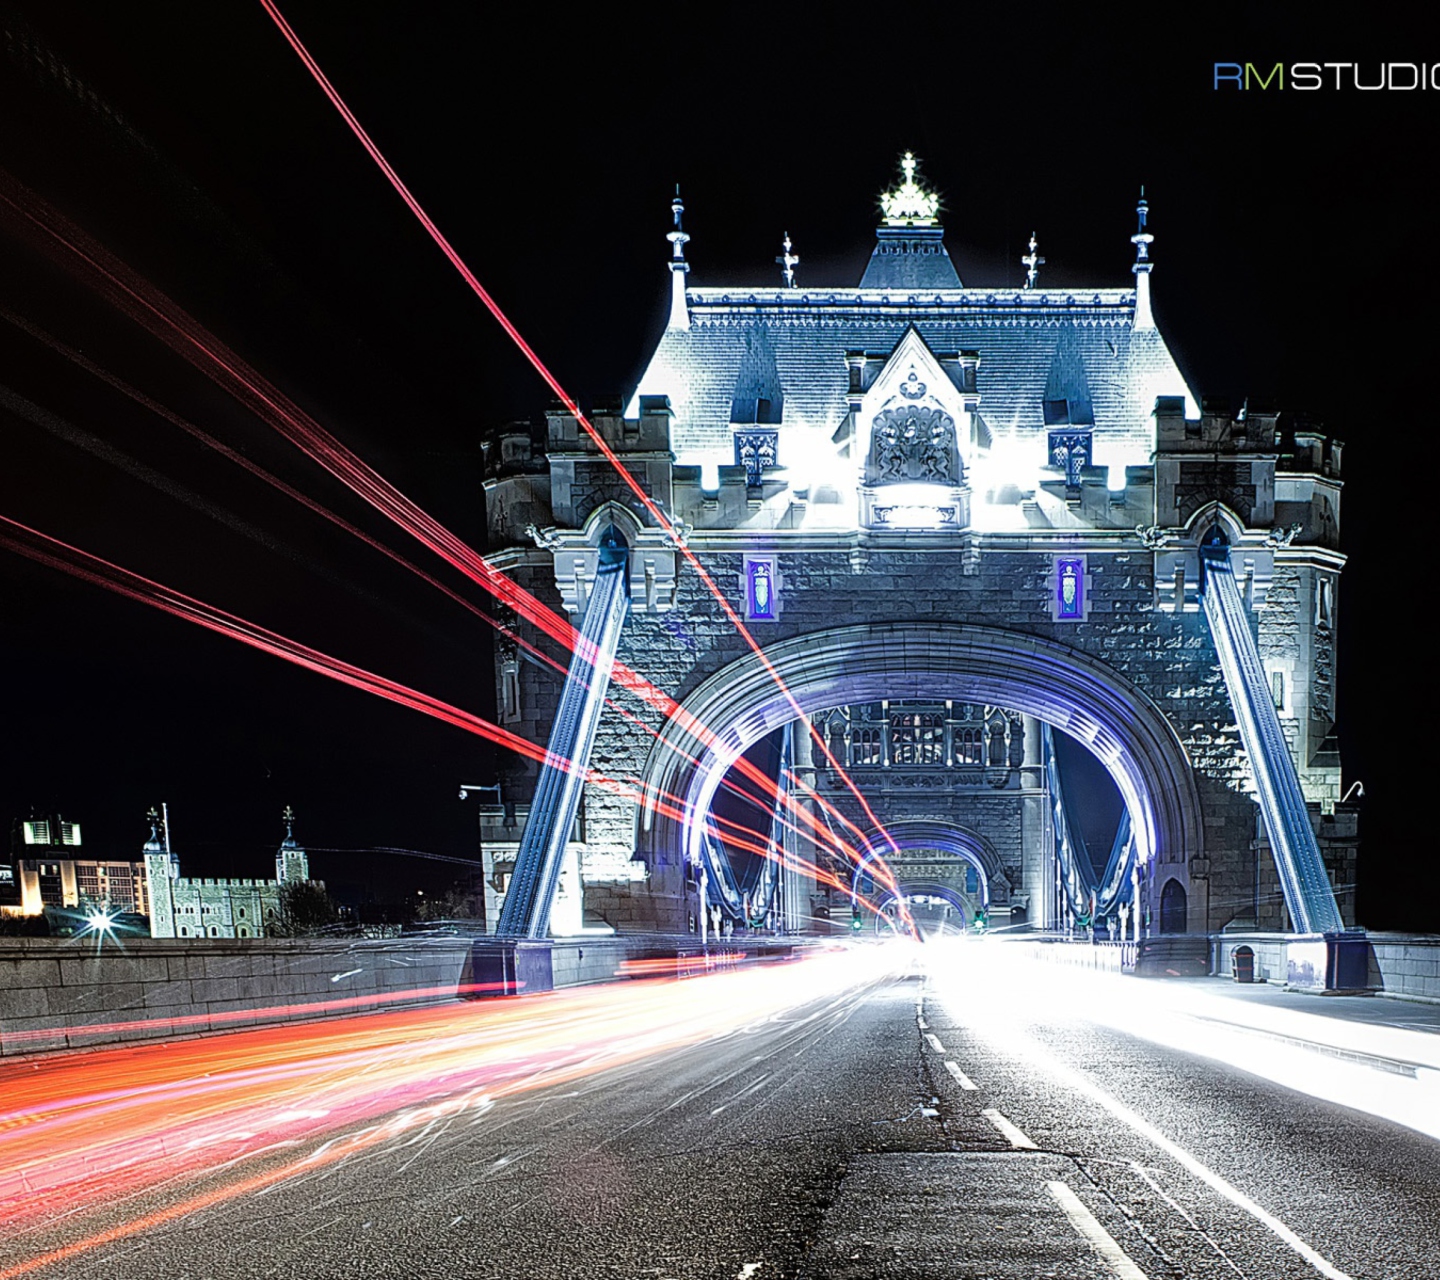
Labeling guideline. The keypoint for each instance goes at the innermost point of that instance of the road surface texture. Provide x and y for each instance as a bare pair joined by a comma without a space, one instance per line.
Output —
867,1122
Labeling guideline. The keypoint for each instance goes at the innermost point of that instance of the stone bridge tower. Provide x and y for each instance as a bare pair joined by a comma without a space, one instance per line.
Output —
950,516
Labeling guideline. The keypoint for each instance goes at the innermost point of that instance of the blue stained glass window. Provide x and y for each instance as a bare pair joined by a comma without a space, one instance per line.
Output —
1070,588
760,589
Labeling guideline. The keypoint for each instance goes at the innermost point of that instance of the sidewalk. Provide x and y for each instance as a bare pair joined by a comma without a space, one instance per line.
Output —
1395,1035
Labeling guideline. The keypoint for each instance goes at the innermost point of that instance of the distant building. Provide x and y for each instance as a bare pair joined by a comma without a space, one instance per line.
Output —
45,870
181,907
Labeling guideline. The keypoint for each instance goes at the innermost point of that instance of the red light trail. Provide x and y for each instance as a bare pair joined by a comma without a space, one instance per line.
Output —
90,1143
170,324
195,432
52,552
661,517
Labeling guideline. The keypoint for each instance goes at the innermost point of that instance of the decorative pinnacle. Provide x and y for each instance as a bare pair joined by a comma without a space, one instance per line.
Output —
789,262
1033,262
289,817
678,238
154,817
910,204
1142,239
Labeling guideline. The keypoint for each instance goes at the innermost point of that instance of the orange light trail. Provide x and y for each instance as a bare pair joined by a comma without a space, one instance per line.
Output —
87,1140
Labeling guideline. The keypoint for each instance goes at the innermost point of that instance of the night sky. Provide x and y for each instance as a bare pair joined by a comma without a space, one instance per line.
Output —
1294,243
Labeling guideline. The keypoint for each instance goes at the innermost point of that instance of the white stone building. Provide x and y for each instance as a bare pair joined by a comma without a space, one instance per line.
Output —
182,907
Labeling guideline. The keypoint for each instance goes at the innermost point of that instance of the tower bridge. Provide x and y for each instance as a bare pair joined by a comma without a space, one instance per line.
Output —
955,519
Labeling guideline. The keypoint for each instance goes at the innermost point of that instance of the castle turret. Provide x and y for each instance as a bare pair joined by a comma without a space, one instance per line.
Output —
292,865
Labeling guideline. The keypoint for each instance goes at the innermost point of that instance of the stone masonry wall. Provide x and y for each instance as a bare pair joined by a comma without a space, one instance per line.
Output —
1167,654
57,993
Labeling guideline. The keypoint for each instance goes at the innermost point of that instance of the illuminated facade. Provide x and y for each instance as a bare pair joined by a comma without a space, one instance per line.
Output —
181,907
47,871
990,508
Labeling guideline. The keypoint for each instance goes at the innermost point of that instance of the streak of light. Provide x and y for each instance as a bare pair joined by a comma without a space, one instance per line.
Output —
1390,1072
1226,1029
80,360
81,564
200,1122
661,517
161,317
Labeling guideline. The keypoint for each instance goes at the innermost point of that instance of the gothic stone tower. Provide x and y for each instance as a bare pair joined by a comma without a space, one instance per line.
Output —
932,497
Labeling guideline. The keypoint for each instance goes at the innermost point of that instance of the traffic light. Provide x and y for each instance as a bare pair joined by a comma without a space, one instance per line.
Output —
856,920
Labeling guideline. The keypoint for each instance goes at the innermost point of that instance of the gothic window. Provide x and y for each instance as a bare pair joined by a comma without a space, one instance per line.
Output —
967,746
761,589
865,747
917,738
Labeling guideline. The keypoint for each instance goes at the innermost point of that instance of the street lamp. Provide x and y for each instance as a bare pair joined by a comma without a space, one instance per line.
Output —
465,789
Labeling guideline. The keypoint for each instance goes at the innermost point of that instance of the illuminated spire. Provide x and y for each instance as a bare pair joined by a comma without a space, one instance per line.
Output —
679,313
289,818
789,262
1033,262
910,204
1142,240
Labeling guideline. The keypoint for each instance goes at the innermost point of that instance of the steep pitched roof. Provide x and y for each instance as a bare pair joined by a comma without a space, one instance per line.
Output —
1017,335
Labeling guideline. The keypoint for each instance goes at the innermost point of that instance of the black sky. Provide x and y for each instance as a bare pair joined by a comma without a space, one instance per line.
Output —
1293,263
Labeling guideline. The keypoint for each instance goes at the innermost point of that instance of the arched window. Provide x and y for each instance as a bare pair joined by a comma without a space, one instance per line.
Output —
865,747
967,748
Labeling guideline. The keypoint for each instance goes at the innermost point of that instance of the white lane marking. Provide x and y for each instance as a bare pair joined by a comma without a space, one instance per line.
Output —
961,1078
921,1023
934,1042
748,1270
1178,1153
1009,1131
1101,1240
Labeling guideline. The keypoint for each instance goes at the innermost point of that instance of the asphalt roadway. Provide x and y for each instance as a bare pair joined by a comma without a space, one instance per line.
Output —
956,1125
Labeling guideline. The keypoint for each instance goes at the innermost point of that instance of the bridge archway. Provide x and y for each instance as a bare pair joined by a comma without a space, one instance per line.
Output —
1065,688
887,904
943,837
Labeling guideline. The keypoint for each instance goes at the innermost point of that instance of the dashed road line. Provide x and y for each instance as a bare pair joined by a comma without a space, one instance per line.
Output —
1100,1240
961,1078
1184,1158
1009,1131
934,1042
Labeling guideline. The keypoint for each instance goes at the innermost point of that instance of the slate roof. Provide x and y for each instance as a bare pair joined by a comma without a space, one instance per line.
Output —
1028,341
